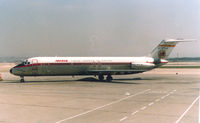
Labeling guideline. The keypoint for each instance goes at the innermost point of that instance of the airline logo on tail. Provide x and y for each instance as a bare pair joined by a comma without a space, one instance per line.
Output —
162,54
166,45
163,50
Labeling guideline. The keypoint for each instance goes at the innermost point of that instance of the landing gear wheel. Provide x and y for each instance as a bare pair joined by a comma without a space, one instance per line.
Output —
101,77
22,79
109,78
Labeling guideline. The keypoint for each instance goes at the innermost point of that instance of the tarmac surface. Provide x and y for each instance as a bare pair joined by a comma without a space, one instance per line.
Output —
158,96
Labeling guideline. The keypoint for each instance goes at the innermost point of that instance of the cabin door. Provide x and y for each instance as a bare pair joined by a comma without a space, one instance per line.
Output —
35,67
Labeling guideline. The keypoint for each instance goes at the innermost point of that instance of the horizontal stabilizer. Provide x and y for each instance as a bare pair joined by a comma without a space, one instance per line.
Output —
179,40
163,50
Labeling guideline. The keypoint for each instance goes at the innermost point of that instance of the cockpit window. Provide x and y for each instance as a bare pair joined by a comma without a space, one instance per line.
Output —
26,62
23,63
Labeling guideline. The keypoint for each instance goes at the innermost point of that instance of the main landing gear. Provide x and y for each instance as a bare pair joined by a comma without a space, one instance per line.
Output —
108,78
22,79
101,77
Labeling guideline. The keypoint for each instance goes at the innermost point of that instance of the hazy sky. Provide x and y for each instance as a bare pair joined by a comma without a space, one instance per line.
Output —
97,27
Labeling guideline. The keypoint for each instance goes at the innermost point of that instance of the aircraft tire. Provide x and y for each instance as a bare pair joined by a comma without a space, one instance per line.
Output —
22,79
109,78
101,77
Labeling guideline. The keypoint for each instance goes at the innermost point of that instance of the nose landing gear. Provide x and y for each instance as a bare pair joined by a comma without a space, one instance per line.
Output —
22,79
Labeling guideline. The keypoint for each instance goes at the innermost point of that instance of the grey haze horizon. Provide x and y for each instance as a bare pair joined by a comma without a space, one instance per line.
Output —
97,28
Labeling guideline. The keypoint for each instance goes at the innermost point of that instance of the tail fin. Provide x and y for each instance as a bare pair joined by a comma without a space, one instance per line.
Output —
163,50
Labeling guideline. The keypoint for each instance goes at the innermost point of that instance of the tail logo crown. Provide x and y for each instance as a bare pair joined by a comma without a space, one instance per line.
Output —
162,54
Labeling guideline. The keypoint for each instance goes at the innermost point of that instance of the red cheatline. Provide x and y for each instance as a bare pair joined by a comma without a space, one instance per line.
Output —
81,63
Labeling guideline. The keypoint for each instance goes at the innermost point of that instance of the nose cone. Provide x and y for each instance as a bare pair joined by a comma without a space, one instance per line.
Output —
11,70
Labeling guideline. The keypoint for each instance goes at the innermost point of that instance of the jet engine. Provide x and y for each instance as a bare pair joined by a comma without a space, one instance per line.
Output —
142,66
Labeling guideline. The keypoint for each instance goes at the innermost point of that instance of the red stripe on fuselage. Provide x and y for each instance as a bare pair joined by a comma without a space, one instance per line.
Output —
51,64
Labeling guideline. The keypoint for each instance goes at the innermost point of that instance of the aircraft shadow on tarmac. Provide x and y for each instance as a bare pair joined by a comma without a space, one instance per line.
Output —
39,81
91,79
88,79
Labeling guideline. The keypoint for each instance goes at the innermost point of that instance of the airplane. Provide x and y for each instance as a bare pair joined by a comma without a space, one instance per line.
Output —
97,66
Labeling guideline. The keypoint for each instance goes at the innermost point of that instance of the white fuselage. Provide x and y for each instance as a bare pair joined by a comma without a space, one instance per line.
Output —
61,66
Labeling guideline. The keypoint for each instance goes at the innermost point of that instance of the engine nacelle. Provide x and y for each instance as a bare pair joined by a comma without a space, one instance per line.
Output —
142,66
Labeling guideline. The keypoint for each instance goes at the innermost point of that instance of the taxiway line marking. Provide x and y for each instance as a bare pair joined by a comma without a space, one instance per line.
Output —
124,118
179,119
157,100
114,102
151,103
134,112
163,97
143,108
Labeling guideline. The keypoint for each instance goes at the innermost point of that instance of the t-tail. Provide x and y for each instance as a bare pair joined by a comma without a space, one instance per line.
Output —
163,50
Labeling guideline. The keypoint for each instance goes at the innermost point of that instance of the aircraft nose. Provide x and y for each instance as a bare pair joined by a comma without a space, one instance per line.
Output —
11,70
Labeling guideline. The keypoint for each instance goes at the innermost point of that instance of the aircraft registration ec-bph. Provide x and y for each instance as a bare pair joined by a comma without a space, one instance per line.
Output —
101,66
